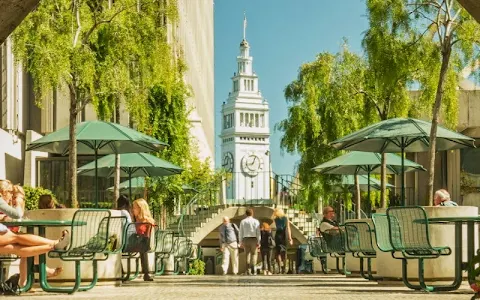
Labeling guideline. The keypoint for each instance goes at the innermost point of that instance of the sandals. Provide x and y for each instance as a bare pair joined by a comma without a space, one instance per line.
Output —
63,242
57,272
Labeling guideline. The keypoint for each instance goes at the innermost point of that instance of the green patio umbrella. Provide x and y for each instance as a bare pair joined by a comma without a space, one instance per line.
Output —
401,135
362,181
135,183
97,138
131,165
357,162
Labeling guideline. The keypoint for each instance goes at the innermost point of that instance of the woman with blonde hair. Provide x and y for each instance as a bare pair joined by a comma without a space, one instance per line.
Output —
19,199
141,214
24,245
282,234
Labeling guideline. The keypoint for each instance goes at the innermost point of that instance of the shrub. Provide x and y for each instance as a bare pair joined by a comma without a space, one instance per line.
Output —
32,194
89,204
197,267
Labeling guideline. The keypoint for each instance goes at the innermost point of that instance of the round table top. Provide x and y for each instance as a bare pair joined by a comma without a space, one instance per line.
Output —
456,219
48,223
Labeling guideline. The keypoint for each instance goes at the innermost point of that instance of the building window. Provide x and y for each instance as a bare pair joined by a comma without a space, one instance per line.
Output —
256,121
262,120
241,119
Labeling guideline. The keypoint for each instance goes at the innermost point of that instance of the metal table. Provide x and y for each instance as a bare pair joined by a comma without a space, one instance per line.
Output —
41,225
460,265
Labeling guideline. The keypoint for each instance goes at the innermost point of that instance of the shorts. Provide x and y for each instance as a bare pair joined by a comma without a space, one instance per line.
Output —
3,228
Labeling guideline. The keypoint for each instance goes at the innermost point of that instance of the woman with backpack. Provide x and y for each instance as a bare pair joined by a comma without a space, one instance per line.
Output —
282,235
267,243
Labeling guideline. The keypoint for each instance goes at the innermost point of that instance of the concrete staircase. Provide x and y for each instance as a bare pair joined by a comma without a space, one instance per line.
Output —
202,221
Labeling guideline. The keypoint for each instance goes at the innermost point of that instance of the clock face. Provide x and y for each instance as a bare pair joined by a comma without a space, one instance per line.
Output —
227,162
252,164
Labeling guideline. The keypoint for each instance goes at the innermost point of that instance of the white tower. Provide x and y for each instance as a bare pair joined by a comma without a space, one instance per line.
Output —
245,133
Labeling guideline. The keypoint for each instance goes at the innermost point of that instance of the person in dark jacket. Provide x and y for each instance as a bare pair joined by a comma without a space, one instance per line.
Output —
266,246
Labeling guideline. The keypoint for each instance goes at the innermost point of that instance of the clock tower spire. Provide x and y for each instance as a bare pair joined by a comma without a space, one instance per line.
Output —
245,132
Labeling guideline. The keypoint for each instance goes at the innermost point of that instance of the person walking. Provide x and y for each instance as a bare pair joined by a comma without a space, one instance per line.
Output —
250,240
266,244
282,235
229,245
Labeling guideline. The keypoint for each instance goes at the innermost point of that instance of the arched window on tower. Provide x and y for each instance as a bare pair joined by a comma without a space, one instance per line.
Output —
241,120
251,120
244,84
262,120
246,119
256,121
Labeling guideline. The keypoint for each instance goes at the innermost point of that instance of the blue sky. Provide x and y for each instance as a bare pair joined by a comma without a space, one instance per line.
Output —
282,34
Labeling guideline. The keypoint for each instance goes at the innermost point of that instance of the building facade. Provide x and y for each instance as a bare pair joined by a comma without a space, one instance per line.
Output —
22,120
246,133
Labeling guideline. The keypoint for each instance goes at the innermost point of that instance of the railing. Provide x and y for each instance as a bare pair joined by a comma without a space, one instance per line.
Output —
198,208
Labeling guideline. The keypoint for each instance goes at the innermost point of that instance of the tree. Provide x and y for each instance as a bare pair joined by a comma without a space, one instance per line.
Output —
102,52
324,105
453,36
393,63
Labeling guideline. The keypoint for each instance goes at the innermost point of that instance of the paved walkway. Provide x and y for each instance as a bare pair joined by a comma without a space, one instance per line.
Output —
258,287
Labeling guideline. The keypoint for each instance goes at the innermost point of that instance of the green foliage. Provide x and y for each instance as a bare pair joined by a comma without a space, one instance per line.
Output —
324,105
107,205
197,267
32,195
102,52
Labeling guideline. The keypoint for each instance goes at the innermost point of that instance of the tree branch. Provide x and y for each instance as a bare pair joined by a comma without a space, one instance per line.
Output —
96,24
79,25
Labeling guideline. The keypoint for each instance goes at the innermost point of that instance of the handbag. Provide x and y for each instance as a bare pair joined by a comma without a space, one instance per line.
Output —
137,243
271,241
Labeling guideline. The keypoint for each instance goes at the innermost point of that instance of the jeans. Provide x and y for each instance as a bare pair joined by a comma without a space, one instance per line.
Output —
266,259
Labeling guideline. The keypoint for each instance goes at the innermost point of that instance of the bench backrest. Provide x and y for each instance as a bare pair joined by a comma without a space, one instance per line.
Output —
382,232
164,241
408,228
316,246
183,247
92,237
335,241
117,238
359,237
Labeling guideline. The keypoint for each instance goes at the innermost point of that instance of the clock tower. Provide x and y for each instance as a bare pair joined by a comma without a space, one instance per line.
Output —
246,133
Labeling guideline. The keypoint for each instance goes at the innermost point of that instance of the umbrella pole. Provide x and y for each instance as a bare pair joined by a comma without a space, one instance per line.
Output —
369,201
403,175
130,184
96,179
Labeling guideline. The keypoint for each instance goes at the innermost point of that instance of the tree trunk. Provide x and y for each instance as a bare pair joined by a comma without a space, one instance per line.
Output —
383,178
116,183
358,215
435,113
72,151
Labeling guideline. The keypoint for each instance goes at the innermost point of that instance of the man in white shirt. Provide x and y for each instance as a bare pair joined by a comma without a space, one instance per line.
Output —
249,237
329,224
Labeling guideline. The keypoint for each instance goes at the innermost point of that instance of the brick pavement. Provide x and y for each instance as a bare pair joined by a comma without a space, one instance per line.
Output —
258,287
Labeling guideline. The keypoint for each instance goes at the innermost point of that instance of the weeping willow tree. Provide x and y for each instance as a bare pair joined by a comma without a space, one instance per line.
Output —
324,105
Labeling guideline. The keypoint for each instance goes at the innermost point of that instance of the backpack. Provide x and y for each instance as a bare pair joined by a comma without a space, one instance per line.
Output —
235,228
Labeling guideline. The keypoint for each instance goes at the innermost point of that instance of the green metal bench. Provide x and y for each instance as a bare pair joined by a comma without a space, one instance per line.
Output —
382,238
317,246
409,235
90,242
182,253
335,247
138,239
359,243
164,246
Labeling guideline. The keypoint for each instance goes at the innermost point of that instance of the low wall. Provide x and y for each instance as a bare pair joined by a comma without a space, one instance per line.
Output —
442,268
